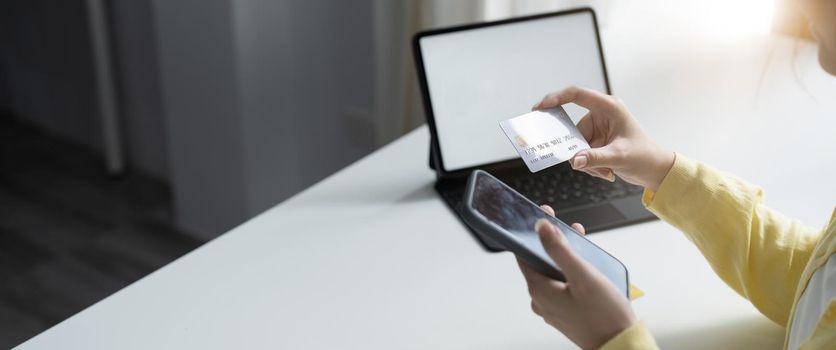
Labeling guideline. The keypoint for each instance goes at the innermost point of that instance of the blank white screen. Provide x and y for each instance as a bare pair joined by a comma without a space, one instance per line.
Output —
478,77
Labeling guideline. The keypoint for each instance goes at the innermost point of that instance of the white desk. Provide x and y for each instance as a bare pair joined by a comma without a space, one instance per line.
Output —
370,258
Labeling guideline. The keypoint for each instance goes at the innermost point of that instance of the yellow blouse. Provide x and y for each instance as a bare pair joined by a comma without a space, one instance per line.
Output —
764,256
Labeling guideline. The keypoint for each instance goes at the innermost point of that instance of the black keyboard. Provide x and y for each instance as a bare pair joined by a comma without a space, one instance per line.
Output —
561,189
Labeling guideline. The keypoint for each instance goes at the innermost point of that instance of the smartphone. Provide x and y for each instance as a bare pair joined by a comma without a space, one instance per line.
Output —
500,214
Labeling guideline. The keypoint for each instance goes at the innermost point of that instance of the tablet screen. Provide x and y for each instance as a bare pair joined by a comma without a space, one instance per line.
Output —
478,77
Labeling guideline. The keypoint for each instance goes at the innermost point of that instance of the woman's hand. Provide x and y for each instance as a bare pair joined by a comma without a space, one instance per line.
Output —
587,308
619,145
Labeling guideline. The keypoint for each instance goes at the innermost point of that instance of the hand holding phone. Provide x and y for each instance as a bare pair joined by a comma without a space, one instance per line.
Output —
587,308
500,214
575,286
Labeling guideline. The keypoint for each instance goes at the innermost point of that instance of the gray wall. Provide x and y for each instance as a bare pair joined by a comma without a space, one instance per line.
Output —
200,102
305,86
238,104
47,77
138,80
262,99
46,70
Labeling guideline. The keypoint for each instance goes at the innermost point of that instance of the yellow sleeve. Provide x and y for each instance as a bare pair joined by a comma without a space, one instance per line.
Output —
755,250
635,337
824,336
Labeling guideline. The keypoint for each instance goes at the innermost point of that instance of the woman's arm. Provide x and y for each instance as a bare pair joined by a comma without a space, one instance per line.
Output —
636,337
754,249
757,251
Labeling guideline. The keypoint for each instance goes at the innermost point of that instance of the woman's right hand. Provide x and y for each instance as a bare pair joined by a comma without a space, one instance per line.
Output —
618,144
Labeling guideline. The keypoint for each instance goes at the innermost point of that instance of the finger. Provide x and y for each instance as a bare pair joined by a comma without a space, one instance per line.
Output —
586,127
601,157
594,173
609,175
606,174
590,172
587,98
548,209
578,227
533,278
603,173
536,308
541,286
558,248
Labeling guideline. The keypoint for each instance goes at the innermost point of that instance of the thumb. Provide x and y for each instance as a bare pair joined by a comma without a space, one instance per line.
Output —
602,157
557,246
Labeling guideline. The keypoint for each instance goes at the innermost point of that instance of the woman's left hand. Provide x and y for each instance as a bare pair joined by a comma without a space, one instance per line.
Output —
587,308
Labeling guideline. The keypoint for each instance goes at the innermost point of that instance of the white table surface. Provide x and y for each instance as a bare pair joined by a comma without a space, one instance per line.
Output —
371,258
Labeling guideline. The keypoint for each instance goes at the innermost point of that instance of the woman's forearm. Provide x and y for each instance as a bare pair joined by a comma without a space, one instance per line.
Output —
754,249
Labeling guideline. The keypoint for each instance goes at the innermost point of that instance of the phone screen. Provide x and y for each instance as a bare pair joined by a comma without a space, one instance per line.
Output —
516,215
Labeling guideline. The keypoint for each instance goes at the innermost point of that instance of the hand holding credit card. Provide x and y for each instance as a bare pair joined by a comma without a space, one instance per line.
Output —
544,138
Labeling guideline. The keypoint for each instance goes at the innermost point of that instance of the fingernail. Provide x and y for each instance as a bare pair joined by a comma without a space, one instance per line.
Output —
579,162
611,176
539,224
534,107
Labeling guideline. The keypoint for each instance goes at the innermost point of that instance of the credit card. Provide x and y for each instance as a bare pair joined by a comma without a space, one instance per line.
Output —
544,138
